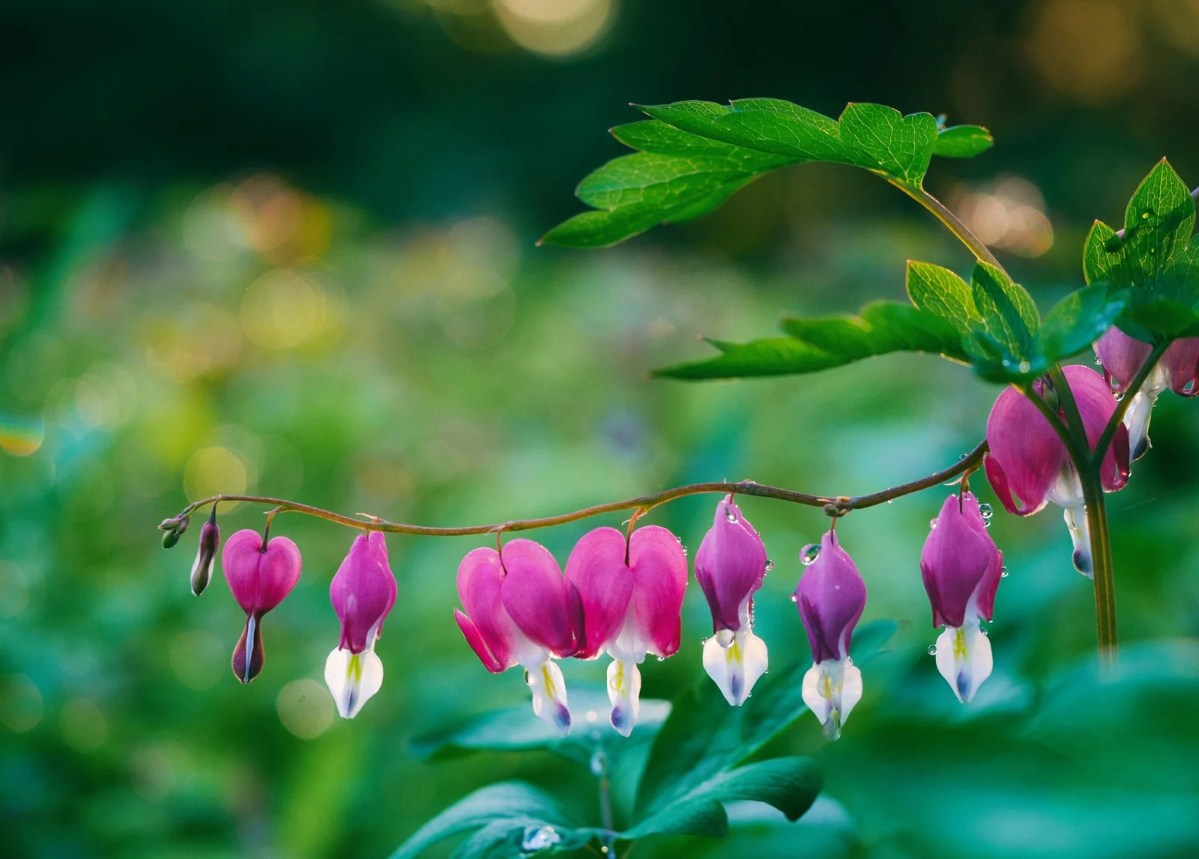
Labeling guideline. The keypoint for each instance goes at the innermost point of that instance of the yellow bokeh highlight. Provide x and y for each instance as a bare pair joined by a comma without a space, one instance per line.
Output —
21,436
305,708
557,28
1090,50
216,470
283,310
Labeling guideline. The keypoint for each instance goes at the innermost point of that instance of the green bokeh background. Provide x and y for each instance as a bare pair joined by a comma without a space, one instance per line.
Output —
289,247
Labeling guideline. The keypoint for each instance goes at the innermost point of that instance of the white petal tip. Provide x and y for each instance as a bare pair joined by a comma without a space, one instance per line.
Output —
831,689
735,667
964,660
353,679
549,696
624,691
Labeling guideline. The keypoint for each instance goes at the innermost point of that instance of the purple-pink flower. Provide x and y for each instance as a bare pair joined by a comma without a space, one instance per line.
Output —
362,592
1123,357
1028,466
729,566
830,597
260,577
961,568
516,614
625,598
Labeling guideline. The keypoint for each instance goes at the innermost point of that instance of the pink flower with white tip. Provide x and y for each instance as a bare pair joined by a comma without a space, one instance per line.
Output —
830,597
730,566
260,576
626,598
1028,466
516,614
961,568
1122,358
362,593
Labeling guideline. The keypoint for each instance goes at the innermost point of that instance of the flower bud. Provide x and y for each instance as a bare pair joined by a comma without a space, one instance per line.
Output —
259,576
210,541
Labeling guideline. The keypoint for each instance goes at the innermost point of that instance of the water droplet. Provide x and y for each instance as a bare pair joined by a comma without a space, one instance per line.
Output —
1025,366
932,523
1003,572
794,598
1144,216
985,511
703,641
769,566
1098,361
730,515
604,849
984,631
661,658
809,553
932,650
538,838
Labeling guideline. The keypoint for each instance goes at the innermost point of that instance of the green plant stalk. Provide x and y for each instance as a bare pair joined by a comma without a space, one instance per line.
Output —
951,222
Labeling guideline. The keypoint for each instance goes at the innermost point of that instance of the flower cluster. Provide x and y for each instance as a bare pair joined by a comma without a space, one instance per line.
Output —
262,572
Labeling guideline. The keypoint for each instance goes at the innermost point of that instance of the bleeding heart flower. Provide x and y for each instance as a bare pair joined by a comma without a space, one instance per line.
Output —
625,598
260,577
516,614
830,596
730,566
961,568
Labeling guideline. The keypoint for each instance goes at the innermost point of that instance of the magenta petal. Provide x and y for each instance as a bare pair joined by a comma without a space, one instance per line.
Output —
659,567
1025,450
831,596
363,591
1182,366
730,564
260,578
478,644
960,563
600,585
1122,357
480,582
534,594
1096,405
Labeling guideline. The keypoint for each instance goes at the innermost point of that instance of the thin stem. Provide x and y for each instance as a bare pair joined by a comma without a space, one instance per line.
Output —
951,221
833,505
599,766
1134,387
1101,566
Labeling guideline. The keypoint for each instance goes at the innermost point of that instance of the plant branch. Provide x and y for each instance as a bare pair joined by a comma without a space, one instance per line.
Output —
951,221
833,505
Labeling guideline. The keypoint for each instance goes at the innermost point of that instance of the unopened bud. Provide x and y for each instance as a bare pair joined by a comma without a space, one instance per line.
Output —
210,541
173,529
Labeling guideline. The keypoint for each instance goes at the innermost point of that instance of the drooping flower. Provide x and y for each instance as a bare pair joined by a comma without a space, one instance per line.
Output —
210,541
961,568
516,614
729,566
1122,358
831,596
362,593
260,577
1028,466
625,598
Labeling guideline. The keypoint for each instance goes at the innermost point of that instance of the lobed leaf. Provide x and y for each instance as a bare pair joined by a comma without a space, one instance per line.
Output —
1154,259
693,155
820,344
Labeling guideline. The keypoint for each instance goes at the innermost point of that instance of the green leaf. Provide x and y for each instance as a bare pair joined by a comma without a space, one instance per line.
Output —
790,784
517,836
693,154
704,736
820,344
1076,322
1155,259
942,293
1001,345
514,801
963,141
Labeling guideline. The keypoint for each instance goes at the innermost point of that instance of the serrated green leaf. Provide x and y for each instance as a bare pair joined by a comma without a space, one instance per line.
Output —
963,141
500,801
694,154
820,344
790,784
1009,315
1155,258
939,291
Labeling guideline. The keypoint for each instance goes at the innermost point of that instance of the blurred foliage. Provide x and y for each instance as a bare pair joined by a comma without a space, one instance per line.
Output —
288,247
